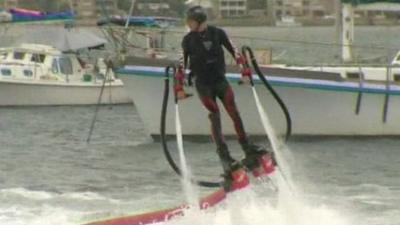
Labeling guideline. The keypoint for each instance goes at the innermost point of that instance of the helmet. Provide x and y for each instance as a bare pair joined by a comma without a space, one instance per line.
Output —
196,13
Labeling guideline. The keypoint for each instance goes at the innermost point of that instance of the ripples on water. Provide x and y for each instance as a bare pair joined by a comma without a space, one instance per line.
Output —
49,175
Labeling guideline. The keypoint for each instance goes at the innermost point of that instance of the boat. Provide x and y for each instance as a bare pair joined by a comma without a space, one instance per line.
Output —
20,15
37,74
361,72
320,103
139,21
324,100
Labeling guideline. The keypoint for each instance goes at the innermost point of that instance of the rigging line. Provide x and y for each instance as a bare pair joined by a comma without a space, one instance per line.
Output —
296,41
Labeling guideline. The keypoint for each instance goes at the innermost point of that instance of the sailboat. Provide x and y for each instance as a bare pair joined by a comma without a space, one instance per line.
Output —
348,99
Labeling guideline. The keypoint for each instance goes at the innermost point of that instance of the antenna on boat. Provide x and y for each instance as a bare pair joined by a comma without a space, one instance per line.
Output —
71,6
96,111
387,90
130,14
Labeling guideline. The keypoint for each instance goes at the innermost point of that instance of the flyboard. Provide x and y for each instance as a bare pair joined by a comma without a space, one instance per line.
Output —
266,162
240,181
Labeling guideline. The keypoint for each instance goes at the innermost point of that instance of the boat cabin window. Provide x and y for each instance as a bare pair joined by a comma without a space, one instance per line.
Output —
353,75
38,58
28,73
396,77
66,65
62,65
3,55
54,66
6,72
19,55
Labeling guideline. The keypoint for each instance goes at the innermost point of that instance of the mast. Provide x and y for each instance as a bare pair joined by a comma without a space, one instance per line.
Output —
338,24
130,14
347,32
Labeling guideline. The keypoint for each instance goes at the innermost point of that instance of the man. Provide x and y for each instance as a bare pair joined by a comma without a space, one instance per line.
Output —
204,56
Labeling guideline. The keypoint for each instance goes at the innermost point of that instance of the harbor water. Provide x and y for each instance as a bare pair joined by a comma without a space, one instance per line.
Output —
50,175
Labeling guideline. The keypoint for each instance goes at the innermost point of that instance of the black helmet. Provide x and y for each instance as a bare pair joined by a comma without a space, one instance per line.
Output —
196,13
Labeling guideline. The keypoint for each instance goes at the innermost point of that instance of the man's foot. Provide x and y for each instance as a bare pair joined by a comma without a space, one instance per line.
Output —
252,154
235,178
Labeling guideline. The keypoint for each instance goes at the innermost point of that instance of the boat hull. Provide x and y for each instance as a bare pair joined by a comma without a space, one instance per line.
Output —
316,107
14,93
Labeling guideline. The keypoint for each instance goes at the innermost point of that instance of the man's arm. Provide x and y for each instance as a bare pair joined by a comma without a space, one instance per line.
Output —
240,60
185,58
184,61
228,44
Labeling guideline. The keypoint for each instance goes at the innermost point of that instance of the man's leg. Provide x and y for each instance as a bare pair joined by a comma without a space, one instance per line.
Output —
208,98
252,152
227,97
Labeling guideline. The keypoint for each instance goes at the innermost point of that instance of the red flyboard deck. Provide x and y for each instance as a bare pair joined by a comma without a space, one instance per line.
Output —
163,215
267,167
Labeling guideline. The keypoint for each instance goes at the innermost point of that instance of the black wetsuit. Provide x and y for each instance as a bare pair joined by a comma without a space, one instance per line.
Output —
204,52
204,56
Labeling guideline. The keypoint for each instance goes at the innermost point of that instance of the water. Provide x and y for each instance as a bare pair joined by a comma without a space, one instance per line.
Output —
49,175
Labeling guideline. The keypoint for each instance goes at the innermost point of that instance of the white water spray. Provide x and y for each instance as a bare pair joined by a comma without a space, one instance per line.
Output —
277,145
188,187
248,207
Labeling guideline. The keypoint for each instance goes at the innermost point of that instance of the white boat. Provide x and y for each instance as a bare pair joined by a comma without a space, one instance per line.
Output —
34,74
357,72
322,100
319,103
287,21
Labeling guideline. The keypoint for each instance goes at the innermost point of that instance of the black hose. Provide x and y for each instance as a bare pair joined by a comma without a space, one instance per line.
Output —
270,89
167,153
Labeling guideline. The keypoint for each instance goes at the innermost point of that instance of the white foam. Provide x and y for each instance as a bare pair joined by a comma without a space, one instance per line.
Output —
87,196
43,195
247,208
25,193
289,208
41,215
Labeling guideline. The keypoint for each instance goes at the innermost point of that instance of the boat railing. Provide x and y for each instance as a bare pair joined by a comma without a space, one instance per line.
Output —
167,41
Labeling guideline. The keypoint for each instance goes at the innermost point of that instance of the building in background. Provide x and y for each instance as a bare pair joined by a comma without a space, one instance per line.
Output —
305,11
153,6
210,5
91,10
8,4
257,8
232,8
377,14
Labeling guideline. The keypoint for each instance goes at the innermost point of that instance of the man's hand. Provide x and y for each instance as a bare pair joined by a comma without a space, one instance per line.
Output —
246,75
240,59
245,80
180,82
181,95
